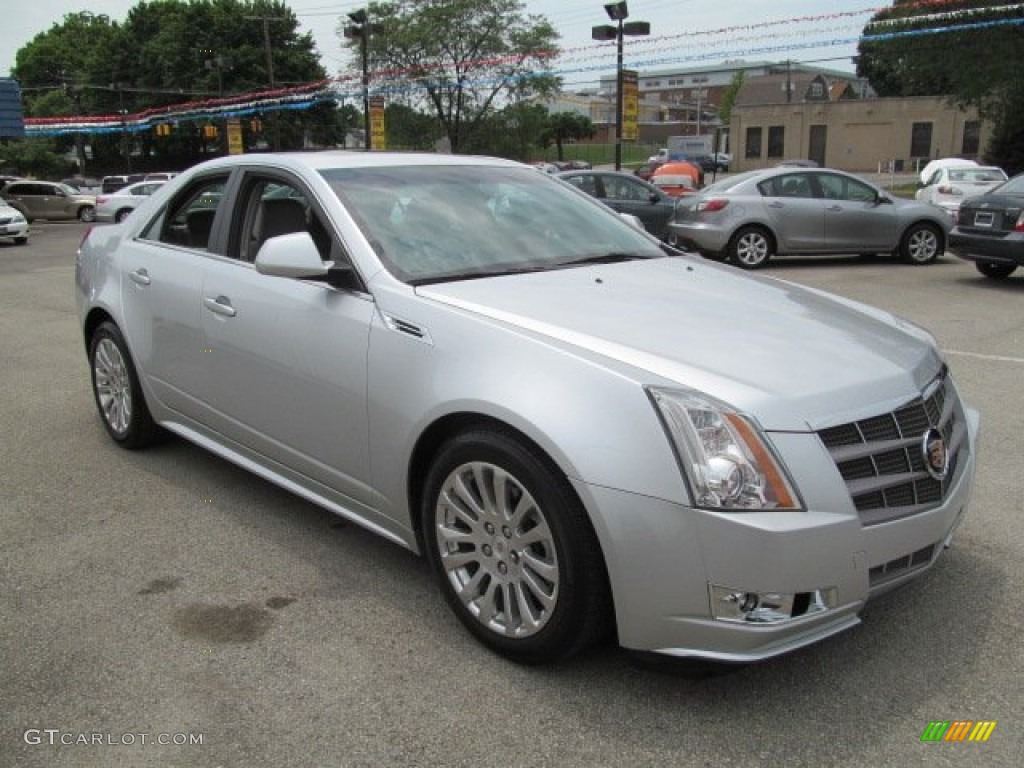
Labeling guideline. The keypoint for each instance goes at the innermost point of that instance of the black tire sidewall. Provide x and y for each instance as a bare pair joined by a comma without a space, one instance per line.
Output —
580,566
141,429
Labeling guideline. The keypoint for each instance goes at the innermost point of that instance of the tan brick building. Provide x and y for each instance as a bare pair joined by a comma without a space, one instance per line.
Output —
825,122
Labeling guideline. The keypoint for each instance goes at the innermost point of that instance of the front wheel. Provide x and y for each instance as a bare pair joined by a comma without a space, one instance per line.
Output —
117,390
921,244
20,240
995,271
513,549
122,215
751,247
86,214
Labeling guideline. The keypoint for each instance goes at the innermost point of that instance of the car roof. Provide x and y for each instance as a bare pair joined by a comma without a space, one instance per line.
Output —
328,159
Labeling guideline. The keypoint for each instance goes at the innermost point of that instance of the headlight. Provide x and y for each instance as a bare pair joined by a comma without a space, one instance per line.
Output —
724,456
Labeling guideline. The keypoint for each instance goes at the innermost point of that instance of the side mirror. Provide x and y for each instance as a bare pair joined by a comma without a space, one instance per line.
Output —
655,197
295,255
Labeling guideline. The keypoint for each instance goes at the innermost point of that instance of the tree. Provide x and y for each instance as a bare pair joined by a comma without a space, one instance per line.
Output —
729,96
461,59
167,52
567,126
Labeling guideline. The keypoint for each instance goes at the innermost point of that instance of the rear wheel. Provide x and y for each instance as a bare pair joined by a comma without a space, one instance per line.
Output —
921,243
20,240
513,549
995,271
117,390
122,215
751,247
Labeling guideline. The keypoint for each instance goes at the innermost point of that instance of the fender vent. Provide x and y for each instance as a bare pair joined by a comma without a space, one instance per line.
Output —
407,328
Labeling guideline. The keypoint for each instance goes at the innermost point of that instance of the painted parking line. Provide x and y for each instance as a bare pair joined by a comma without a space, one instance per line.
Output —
979,356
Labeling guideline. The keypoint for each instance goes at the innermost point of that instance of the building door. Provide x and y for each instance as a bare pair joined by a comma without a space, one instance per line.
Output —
818,138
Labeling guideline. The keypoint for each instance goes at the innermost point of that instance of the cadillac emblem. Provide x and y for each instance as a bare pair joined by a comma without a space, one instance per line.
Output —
936,457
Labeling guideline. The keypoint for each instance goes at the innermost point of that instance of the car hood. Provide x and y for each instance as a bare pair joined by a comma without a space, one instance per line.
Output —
793,357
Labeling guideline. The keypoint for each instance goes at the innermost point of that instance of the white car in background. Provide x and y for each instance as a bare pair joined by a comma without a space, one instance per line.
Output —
117,205
948,186
13,225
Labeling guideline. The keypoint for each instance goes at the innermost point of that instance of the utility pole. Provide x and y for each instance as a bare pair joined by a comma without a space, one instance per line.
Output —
270,68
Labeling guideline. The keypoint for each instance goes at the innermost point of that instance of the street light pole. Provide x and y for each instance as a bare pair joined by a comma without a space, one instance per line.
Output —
618,12
361,29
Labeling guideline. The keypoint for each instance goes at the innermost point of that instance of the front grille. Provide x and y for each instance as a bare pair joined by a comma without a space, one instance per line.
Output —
881,457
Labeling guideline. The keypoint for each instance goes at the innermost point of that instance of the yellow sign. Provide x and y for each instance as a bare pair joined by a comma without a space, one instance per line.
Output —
378,139
630,105
235,145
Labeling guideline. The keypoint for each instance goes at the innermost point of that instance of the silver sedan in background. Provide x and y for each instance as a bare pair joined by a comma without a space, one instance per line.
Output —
115,206
586,433
751,217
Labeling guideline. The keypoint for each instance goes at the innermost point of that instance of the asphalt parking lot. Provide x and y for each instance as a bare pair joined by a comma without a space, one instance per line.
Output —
158,599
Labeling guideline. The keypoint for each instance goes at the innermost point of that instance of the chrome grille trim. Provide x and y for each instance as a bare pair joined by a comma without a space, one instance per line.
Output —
880,458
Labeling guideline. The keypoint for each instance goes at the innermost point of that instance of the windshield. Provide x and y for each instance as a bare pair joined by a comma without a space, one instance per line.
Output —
434,223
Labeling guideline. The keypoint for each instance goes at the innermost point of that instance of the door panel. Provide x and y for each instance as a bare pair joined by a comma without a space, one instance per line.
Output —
286,368
796,215
160,296
854,219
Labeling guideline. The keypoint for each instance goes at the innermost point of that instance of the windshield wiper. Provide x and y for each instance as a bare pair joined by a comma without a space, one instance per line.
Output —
605,258
477,274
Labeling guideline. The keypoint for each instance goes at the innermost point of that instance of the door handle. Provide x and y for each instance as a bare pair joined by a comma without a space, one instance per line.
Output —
221,306
775,204
140,277
835,208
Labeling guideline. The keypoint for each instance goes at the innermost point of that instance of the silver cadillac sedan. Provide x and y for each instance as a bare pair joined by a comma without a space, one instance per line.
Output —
584,431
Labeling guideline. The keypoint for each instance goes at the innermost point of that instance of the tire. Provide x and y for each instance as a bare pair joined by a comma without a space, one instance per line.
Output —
921,244
995,271
122,215
751,247
117,391
513,549
86,214
20,240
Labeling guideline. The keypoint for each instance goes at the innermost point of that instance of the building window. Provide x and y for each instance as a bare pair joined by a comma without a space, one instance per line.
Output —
753,142
972,138
921,140
817,90
776,141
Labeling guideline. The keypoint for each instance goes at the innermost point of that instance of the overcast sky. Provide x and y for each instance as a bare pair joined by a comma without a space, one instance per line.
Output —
679,30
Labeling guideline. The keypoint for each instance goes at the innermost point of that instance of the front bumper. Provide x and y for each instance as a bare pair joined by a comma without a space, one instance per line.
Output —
665,558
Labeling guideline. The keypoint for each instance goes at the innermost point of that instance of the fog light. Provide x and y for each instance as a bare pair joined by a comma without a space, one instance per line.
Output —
728,604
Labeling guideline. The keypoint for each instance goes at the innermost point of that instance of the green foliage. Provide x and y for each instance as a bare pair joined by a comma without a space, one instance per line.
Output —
461,59
409,129
167,52
978,65
729,96
36,157
567,126
973,65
